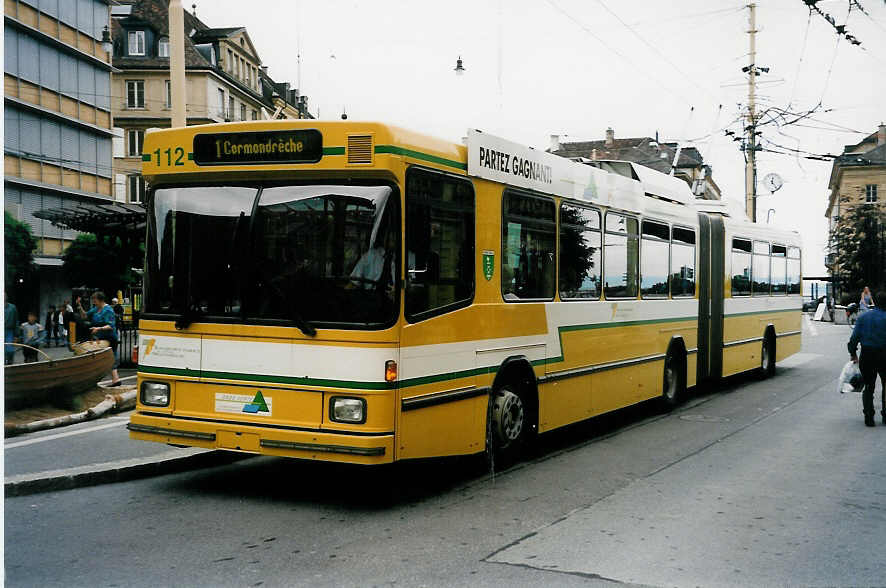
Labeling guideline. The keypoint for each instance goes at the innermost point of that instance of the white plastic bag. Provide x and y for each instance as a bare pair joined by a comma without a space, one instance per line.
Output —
850,379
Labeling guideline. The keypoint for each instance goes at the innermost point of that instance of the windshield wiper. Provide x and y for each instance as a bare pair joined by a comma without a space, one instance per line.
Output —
299,321
184,320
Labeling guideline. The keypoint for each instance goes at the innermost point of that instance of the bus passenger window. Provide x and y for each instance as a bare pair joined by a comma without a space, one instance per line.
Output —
741,267
779,269
794,270
683,263
654,260
620,261
527,244
580,253
761,269
439,243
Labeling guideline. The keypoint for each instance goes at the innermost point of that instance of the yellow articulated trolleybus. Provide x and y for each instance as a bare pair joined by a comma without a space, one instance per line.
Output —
360,293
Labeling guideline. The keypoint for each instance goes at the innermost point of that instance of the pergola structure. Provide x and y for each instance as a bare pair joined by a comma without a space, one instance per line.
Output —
126,221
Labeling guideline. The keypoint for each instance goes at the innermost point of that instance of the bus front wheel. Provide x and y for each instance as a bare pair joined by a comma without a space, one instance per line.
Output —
508,418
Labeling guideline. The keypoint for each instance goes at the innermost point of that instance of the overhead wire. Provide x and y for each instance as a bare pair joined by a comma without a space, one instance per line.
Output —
587,30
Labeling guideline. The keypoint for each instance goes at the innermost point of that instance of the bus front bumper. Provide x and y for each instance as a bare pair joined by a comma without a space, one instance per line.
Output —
304,444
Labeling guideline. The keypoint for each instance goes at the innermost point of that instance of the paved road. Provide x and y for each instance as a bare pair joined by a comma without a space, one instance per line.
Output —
758,483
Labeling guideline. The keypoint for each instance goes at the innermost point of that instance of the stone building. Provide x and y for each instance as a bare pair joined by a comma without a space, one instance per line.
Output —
224,75
646,151
858,178
57,124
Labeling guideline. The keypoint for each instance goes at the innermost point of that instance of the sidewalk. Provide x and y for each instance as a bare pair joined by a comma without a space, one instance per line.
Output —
93,452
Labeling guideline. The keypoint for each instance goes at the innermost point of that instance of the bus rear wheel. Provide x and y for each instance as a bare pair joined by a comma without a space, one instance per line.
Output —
767,357
674,382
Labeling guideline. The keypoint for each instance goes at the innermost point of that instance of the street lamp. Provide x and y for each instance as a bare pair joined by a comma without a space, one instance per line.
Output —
459,67
107,45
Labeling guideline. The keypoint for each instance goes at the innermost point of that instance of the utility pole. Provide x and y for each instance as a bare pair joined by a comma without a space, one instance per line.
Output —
177,63
751,128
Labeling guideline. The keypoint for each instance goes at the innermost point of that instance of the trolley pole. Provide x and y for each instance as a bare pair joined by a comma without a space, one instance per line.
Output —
751,142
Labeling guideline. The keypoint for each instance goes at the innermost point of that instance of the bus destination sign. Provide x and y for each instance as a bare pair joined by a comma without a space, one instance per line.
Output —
293,146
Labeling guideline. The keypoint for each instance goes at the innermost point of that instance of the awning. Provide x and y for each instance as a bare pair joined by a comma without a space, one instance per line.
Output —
113,218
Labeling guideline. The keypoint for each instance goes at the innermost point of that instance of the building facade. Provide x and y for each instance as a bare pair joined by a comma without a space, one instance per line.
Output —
225,81
858,178
57,124
646,151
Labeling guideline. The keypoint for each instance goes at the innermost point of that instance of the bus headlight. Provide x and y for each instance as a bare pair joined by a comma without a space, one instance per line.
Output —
155,394
347,410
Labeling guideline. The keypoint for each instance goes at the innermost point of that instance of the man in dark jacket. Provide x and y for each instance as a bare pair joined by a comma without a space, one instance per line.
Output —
870,331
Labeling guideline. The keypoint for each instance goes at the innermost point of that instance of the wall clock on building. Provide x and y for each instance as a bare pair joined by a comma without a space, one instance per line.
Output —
772,182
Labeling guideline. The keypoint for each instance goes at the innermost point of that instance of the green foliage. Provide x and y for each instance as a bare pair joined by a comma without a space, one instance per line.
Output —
104,264
19,252
858,247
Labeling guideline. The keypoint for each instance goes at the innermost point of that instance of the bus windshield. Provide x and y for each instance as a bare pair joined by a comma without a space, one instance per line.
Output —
318,254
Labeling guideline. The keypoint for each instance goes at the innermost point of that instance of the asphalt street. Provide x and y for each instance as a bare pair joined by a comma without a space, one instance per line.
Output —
773,482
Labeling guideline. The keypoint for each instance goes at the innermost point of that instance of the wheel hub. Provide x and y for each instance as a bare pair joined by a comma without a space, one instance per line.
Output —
508,417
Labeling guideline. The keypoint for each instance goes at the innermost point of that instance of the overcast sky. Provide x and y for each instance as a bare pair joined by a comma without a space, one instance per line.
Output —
576,67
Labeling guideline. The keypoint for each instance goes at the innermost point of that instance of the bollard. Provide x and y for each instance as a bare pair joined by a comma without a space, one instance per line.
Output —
135,354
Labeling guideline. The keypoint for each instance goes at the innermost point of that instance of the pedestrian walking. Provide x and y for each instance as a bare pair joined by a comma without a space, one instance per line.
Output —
62,326
118,314
11,331
32,332
51,326
866,302
870,331
103,323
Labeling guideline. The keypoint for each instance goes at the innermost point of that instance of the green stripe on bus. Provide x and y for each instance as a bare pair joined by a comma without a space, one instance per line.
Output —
352,385
419,155
333,151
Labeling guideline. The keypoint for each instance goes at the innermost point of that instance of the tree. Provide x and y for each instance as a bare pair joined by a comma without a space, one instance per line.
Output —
104,264
19,256
858,247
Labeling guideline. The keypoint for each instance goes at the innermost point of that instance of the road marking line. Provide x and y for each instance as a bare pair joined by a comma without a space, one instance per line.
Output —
60,435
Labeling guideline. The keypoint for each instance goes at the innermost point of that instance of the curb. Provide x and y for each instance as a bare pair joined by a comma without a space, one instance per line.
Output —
118,471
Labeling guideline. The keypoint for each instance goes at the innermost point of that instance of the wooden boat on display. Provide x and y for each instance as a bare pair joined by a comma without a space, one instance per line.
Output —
28,384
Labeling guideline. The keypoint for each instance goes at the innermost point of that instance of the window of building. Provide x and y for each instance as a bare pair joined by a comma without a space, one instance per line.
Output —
135,139
230,62
654,258
136,42
528,247
778,265
683,262
242,112
135,93
439,243
163,47
741,267
221,102
620,260
580,253
136,189
168,94
870,193
254,115
794,280
230,114
760,276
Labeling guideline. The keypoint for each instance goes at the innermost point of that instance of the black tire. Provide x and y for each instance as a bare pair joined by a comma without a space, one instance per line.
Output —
767,357
673,389
509,426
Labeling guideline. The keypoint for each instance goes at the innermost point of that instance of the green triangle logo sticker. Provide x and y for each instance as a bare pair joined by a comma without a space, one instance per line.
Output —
260,401
258,404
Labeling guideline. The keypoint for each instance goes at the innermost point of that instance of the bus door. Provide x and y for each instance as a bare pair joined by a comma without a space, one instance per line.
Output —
441,408
711,267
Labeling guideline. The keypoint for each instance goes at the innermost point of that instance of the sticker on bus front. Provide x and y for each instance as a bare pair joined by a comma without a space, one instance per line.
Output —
488,264
259,404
